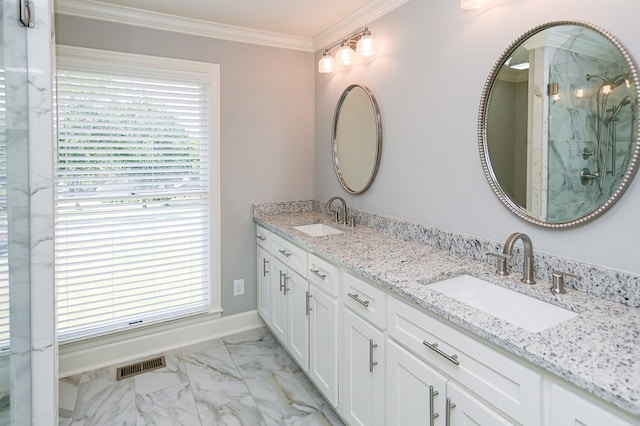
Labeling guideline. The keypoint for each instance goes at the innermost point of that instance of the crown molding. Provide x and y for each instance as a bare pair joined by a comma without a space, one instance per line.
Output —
92,9
361,18
141,18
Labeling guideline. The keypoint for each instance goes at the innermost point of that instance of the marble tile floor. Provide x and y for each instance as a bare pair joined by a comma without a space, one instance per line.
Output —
244,379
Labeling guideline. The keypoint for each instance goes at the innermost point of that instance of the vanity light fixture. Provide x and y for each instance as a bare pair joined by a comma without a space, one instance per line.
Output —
364,44
473,4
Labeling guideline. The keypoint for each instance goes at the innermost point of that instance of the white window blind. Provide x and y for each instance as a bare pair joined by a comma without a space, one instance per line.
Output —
5,333
132,201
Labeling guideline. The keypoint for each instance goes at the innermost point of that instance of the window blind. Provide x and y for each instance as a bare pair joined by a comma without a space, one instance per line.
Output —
132,201
5,334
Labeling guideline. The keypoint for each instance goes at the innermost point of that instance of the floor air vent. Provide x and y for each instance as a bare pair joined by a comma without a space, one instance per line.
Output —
140,367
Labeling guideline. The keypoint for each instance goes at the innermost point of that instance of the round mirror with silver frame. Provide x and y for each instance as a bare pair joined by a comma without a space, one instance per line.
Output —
558,124
356,139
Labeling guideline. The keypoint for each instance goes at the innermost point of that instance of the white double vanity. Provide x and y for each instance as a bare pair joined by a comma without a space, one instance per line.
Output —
355,310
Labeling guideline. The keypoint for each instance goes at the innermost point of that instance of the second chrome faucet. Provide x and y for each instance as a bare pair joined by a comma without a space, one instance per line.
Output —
528,274
344,209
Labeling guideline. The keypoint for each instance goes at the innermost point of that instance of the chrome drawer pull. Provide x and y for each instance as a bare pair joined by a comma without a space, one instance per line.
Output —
261,237
356,297
447,413
434,347
308,304
318,274
265,262
286,253
432,415
371,361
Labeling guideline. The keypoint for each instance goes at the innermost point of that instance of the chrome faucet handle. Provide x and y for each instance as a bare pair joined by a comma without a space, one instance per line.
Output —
557,286
503,269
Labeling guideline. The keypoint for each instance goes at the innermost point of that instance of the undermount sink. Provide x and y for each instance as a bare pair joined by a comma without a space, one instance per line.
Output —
526,312
318,230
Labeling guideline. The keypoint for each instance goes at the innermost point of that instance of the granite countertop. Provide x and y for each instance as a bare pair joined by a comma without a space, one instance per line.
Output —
598,350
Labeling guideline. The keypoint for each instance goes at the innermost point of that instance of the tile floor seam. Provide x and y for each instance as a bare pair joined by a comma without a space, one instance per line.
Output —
236,365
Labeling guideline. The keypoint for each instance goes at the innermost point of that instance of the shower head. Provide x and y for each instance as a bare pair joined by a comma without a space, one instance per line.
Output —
617,81
612,82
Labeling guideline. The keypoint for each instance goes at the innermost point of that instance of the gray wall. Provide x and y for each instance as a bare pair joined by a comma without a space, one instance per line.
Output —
428,80
266,128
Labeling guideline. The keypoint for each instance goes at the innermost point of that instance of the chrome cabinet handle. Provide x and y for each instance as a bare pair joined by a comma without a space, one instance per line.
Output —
282,285
265,271
371,361
434,347
286,253
318,274
261,237
356,297
308,304
447,413
432,416
286,277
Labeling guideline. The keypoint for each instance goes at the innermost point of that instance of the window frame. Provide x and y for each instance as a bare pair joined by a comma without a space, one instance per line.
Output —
102,61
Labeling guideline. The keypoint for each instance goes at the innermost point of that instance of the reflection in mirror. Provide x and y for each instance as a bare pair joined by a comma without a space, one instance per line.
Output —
559,124
357,139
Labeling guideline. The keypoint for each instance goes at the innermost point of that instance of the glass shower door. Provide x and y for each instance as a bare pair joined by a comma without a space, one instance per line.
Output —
15,297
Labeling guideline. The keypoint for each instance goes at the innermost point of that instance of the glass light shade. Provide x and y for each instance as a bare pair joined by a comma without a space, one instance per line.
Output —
366,46
345,56
473,4
327,64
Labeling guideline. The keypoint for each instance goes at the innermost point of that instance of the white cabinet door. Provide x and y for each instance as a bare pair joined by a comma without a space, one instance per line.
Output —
568,408
296,288
323,343
467,410
416,393
363,377
279,302
263,269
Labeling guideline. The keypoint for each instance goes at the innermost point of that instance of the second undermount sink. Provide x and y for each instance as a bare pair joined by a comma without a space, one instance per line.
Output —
526,312
318,229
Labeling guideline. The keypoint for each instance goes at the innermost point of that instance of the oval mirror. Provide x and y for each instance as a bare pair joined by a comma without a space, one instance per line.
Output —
356,139
558,124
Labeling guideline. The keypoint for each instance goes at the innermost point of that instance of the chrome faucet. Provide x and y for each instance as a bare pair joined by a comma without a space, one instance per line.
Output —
344,208
528,254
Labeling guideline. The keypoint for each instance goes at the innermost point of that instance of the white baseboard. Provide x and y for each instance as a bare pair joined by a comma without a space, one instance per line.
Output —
78,357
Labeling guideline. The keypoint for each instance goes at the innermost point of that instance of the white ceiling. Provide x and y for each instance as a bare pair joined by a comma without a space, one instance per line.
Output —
304,18
297,24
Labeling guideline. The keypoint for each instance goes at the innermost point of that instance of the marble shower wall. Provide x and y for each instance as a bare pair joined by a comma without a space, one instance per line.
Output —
573,130
16,377
44,362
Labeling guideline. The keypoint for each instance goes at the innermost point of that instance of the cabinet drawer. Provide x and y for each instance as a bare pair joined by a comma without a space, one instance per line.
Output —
289,253
569,408
323,274
507,384
263,237
366,300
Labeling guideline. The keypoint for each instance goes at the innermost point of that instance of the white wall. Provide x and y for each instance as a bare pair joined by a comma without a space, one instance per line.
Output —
266,128
428,80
